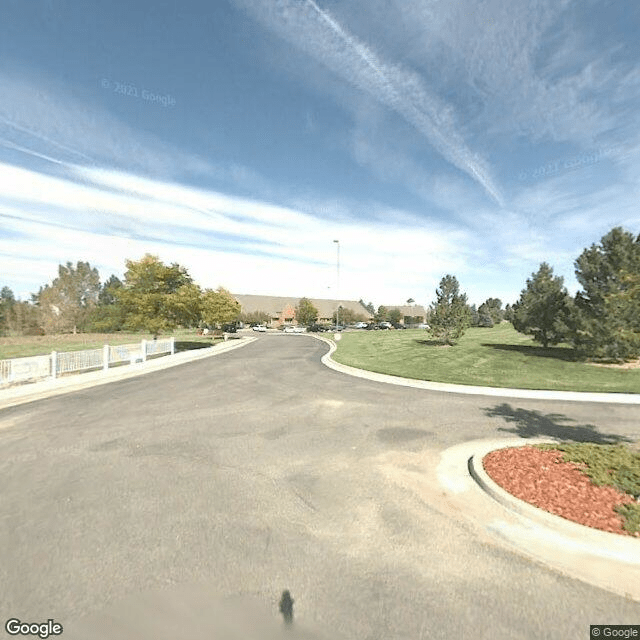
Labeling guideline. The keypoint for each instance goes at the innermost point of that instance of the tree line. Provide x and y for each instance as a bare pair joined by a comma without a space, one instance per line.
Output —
153,297
602,321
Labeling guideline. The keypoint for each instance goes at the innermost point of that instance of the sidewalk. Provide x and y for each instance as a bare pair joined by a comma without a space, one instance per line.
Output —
13,396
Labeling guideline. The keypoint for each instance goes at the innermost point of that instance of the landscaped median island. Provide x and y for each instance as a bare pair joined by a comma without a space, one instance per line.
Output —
495,357
592,484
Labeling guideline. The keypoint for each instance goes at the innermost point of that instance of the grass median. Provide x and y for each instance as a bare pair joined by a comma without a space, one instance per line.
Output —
496,357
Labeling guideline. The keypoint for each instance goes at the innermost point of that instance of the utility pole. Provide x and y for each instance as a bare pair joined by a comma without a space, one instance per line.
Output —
338,284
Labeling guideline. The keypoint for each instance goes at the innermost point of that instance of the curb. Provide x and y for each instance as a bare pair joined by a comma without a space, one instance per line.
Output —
30,392
605,560
607,545
502,392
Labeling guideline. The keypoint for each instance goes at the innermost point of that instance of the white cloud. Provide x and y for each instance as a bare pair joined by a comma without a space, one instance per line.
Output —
400,89
46,121
262,247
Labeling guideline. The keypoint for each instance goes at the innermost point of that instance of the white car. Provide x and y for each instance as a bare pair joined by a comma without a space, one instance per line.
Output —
291,329
360,325
260,328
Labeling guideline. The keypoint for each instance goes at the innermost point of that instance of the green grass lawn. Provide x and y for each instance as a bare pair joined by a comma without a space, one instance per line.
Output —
21,346
496,357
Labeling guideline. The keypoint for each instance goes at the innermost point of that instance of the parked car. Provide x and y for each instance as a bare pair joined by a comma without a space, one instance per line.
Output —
294,329
317,328
422,325
385,325
260,327
229,328
360,325
338,327
372,326
398,325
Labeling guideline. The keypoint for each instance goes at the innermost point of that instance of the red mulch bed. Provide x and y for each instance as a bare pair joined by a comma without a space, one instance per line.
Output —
542,479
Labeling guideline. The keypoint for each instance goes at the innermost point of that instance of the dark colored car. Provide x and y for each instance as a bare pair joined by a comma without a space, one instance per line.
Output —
229,328
317,328
372,327
397,325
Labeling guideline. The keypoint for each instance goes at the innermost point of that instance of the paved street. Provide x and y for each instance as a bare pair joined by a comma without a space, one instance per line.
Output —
260,470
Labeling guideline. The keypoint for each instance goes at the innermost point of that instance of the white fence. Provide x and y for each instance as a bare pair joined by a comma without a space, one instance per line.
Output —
56,363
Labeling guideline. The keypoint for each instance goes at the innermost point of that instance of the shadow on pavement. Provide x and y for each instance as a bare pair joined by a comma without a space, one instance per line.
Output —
534,424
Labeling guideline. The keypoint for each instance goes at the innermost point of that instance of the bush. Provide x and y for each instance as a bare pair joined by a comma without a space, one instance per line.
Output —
612,465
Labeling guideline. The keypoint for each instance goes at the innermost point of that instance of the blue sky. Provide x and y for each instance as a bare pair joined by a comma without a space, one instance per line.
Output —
240,138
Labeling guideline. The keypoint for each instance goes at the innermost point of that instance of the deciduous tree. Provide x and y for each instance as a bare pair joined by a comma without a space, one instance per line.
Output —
219,307
306,313
382,314
254,317
394,316
156,297
66,303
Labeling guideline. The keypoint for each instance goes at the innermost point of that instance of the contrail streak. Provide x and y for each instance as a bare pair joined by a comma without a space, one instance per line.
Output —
398,89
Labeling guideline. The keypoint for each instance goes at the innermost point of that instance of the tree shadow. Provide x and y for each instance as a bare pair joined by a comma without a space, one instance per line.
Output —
433,343
187,345
559,353
535,424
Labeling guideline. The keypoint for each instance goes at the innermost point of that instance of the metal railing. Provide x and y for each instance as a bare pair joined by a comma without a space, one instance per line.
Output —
17,370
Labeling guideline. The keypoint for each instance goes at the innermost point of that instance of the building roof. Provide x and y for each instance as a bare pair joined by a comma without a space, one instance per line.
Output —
274,305
412,310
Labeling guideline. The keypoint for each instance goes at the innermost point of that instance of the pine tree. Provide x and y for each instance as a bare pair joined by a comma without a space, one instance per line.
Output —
543,308
606,318
450,315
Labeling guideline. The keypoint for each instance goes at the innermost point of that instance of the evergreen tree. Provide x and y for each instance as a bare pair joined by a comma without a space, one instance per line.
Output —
606,318
473,315
484,316
450,315
508,313
494,308
543,308
7,301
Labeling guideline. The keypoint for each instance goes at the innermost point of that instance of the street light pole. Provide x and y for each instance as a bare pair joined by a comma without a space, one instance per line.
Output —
338,284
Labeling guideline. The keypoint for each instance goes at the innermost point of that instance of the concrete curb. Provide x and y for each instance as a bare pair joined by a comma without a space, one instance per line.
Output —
603,543
529,394
606,560
15,396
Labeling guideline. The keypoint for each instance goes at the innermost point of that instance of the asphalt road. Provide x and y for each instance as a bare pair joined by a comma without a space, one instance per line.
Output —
260,470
